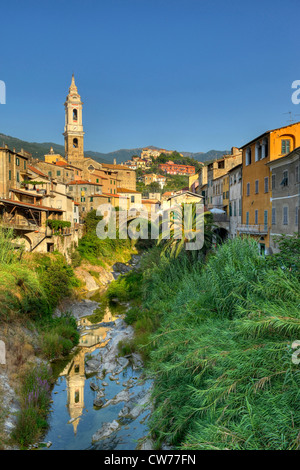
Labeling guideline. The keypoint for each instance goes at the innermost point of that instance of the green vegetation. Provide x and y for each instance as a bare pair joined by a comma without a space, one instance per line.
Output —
35,395
217,333
30,288
58,225
222,354
288,257
97,251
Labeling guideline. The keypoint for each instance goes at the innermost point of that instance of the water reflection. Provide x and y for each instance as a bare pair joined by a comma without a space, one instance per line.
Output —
92,337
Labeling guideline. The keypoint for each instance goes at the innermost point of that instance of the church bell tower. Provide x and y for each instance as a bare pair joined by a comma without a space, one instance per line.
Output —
73,126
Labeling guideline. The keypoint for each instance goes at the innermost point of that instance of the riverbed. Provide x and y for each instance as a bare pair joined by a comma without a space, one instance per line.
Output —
100,400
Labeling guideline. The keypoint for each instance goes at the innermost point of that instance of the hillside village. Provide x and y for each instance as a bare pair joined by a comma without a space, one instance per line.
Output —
253,191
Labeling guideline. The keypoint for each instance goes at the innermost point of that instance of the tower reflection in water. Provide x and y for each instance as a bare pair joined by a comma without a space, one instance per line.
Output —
92,337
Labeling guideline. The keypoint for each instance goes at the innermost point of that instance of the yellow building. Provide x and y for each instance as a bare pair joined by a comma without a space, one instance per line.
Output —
52,157
256,194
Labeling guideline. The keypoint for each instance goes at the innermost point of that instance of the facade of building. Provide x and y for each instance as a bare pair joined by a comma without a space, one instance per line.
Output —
171,168
13,170
215,170
256,198
285,199
235,199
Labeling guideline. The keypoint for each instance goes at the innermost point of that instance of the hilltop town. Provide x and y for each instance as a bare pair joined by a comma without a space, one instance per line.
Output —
202,320
252,191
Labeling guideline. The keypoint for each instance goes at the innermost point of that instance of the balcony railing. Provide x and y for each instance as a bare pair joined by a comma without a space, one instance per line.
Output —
19,222
220,218
259,229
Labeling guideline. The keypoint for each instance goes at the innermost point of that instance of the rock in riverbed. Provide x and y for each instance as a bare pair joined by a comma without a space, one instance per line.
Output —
106,430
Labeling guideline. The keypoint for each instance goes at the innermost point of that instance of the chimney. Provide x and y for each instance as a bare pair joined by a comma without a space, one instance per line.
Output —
115,161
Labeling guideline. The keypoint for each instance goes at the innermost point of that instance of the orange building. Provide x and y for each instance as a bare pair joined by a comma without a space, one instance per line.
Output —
256,193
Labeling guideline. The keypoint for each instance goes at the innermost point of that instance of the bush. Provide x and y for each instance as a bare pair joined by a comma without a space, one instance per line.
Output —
35,400
58,336
221,356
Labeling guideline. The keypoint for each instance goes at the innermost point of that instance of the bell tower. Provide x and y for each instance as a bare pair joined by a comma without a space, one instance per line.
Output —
73,126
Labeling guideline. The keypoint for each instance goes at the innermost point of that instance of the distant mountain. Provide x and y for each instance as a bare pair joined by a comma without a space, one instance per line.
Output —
38,150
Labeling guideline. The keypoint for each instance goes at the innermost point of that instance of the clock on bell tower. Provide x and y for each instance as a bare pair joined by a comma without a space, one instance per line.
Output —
73,126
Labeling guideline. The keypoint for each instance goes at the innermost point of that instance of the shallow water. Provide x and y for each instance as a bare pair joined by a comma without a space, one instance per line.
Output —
73,418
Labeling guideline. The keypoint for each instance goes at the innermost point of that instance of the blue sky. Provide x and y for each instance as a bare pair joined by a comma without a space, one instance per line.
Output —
190,75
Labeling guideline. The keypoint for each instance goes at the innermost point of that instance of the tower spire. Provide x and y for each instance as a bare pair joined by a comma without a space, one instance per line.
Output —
73,87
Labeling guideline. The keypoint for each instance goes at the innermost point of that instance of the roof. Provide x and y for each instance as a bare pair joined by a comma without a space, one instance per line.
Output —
125,190
35,170
66,164
26,192
34,206
109,195
268,132
235,167
16,153
84,182
285,159
188,193
150,201
115,167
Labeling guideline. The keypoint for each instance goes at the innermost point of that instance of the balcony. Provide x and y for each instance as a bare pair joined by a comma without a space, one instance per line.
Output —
220,218
259,229
20,223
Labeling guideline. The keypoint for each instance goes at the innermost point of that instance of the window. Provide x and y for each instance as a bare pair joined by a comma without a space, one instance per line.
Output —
97,180
24,164
247,218
266,219
230,210
83,199
132,198
240,207
256,186
18,177
9,158
74,114
273,216
257,152
75,143
256,217
58,173
266,184
265,149
91,199
273,181
9,175
234,208
285,146
248,189
285,179
297,174
70,188
17,161
49,174
227,194
248,156
285,216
